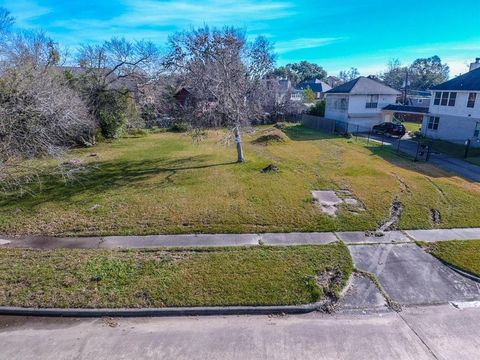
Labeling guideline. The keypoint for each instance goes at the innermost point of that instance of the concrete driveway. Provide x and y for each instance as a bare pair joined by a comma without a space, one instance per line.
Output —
410,276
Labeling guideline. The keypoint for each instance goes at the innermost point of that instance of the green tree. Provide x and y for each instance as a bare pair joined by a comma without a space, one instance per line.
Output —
309,95
428,72
298,72
422,73
349,75
395,74
318,109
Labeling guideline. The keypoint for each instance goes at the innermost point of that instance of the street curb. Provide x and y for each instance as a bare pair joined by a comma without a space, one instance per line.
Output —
163,312
461,272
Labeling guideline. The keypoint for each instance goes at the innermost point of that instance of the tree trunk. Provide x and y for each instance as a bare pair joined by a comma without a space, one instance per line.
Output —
238,140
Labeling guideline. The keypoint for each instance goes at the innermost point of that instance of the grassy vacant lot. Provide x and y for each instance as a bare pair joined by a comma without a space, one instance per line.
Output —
465,255
165,183
141,278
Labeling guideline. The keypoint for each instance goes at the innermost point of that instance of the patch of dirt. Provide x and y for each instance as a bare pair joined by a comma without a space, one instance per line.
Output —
280,126
436,216
273,136
326,280
108,321
271,169
403,185
395,213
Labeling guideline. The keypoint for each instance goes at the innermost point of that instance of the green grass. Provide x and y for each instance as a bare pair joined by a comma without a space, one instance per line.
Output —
457,150
411,126
166,278
166,183
464,255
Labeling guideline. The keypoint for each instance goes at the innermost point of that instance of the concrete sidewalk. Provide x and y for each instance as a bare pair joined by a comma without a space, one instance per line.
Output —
213,240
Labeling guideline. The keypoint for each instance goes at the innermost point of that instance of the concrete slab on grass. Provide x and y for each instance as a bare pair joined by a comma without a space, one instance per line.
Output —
197,240
361,295
298,238
445,234
358,237
326,197
410,276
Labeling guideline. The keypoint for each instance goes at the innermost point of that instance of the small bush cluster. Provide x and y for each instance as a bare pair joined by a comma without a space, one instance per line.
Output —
179,127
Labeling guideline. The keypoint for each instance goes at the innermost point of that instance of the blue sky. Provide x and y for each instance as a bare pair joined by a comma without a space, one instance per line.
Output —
335,34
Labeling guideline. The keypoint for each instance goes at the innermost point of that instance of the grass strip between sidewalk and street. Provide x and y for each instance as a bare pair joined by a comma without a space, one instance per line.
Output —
464,255
67,278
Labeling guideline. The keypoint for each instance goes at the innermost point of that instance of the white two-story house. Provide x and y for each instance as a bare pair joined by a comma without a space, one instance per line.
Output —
360,102
454,113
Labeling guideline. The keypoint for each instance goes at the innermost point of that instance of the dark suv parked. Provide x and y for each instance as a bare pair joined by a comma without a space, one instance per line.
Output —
388,128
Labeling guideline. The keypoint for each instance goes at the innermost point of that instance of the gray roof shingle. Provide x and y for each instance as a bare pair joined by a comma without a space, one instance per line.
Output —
316,85
468,82
364,86
406,108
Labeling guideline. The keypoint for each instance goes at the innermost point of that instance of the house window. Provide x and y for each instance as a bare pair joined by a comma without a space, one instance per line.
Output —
433,122
471,100
453,98
477,130
444,99
372,101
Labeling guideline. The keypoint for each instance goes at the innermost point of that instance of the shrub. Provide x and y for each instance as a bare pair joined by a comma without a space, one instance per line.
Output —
318,109
179,127
113,110
137,132
281,126
40,114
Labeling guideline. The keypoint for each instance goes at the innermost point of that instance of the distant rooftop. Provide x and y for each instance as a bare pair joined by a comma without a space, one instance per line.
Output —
364,86
407,109
316,85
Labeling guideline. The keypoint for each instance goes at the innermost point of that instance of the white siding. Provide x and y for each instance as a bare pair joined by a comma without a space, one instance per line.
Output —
333,108
460,108
457,123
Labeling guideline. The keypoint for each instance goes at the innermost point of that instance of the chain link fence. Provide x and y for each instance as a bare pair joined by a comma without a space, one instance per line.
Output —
416,149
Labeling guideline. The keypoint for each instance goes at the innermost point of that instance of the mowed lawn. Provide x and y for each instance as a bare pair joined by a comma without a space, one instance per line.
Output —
166,278
464,255
166,183
412,126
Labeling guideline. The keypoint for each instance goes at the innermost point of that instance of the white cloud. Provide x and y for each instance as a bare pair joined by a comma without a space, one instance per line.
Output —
197,13
25,11
303,43
154,20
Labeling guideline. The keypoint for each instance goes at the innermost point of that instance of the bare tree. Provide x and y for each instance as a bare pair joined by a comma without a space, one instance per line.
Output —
348,75
111,75
6,20
277,99
223,73
39,113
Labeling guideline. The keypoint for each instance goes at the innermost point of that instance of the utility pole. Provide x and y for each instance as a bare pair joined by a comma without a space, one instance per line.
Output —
406,87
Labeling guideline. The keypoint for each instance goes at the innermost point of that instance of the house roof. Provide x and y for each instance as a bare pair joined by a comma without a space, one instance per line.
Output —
316,85
469,81
407,109
364,86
